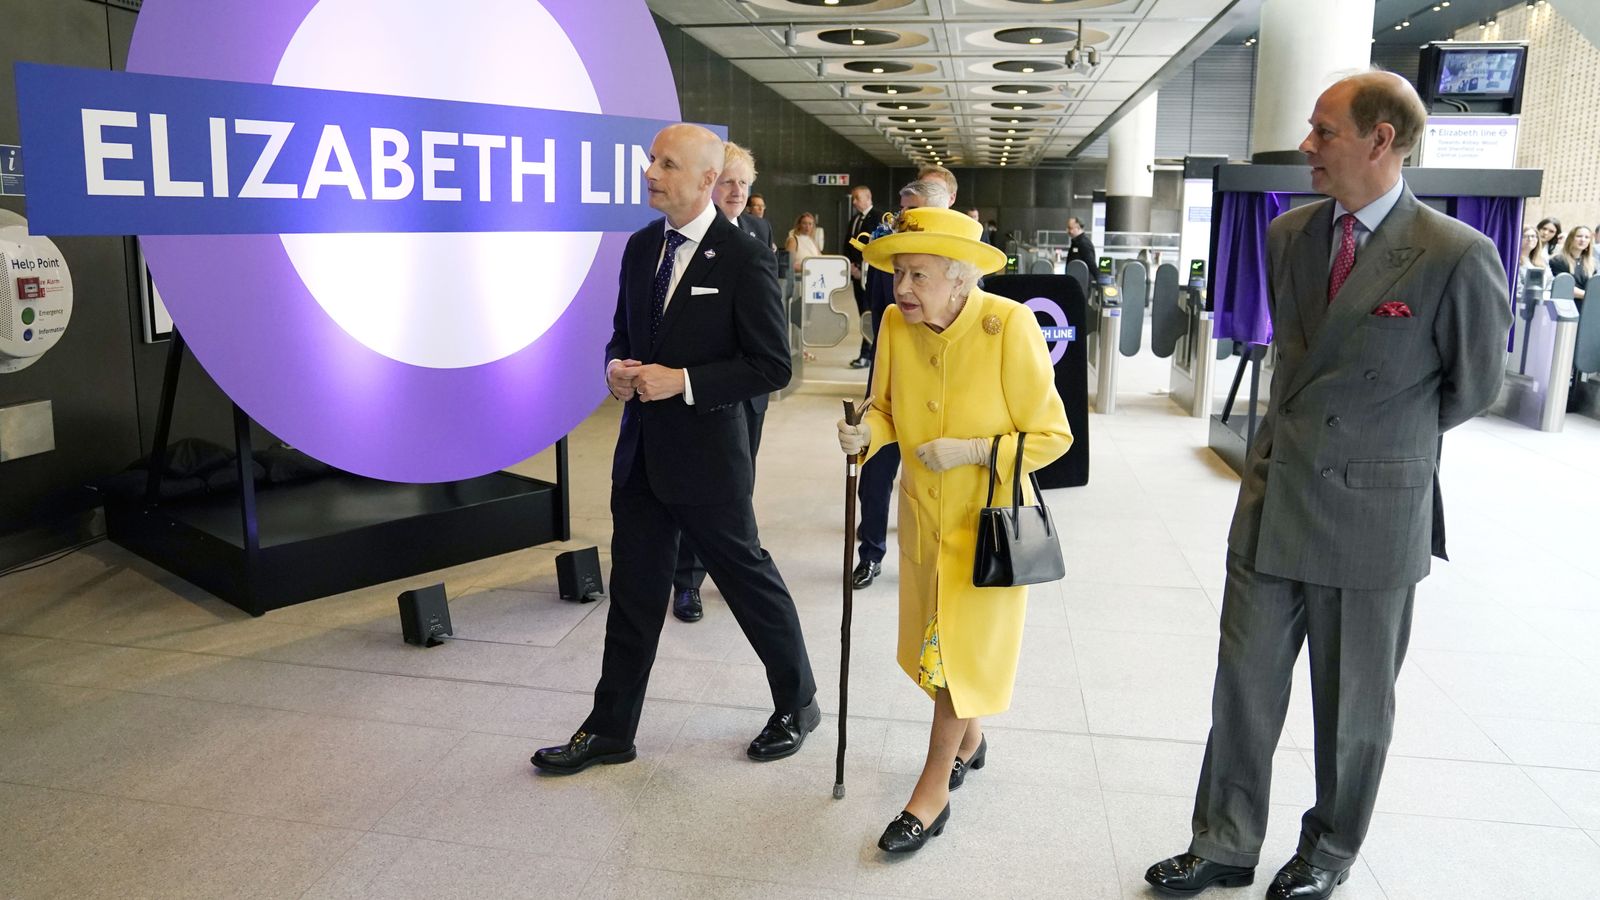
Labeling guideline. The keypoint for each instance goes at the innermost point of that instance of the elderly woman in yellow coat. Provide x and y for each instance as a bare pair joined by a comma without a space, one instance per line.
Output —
955,368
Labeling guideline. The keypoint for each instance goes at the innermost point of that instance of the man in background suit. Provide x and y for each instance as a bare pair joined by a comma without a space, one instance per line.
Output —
729,195
699,331
1389,321
863,218
1080,246
877,474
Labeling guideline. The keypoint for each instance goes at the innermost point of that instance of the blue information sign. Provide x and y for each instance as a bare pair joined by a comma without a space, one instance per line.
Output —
10,170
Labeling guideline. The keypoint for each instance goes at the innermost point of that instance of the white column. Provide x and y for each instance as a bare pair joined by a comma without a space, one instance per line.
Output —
1130,181
1303,48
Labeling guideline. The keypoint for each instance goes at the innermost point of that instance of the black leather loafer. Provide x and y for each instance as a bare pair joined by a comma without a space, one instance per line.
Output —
1187,874
1300,880
864,573
686,605
958,772
785,732
906,834
583,751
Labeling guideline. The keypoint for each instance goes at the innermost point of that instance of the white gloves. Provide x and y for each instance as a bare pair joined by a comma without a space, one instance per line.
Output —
941,454
853,439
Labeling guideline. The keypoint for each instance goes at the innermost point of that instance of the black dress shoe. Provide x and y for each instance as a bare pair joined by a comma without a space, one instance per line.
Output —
1188,874
1300,880
906,834
958,772
686,605
583,751
860,362
785,732
864,572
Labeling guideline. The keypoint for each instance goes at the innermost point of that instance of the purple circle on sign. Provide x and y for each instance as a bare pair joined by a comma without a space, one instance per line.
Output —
1058,316
257,330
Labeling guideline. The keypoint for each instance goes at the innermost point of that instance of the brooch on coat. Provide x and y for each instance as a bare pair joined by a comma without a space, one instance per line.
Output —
991,324
711,254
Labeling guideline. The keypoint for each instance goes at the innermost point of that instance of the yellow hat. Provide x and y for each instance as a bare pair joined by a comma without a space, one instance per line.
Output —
938,232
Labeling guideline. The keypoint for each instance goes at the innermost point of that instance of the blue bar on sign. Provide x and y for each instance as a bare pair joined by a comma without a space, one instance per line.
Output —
121,153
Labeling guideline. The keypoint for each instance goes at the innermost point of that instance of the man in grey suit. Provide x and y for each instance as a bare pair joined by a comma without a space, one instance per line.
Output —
1389,321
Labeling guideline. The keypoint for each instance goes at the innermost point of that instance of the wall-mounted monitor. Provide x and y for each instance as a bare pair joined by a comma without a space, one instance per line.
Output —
1473,76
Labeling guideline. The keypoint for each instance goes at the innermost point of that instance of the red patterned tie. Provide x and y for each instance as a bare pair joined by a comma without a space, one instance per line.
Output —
1346,260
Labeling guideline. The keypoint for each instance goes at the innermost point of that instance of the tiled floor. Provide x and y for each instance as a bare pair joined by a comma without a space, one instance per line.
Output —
155,742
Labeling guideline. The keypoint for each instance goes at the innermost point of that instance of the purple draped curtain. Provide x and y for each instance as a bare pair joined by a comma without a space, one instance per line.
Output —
1501,219
1240,275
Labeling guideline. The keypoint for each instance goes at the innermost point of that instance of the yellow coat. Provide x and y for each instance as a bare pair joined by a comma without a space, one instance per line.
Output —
987,374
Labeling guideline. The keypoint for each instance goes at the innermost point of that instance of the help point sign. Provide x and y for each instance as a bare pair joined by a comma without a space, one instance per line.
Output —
390,234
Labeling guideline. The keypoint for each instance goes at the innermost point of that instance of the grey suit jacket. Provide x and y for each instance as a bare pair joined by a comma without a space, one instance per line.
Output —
1340,488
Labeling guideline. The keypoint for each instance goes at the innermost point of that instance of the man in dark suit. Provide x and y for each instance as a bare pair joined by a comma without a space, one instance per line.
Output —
863,218
1081,245
698,332
1389,321
729,195
877,475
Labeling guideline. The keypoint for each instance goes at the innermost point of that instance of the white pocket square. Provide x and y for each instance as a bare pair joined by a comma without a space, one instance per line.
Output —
701,291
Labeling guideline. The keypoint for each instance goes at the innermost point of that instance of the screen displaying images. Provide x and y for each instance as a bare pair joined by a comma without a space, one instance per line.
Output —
1478,72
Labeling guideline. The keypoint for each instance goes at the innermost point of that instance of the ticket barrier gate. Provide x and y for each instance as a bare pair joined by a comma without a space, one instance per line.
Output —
1535,392
1181,328
1115,326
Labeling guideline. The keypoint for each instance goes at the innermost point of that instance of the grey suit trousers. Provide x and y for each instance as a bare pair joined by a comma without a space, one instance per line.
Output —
1357,641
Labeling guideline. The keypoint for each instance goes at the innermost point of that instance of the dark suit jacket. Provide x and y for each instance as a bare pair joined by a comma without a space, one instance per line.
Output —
761,230
860,222
1082,247
732,339
1340,488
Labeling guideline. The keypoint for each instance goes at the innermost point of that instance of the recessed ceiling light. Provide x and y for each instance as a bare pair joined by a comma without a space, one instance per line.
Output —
916,130
903,106
1016,121
1023,91
891,91
830,2
1011,131
1035,40
1017,108
1027,70
877,70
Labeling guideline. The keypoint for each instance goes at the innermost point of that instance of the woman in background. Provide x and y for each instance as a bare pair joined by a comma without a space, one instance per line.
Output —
1550,236
802,242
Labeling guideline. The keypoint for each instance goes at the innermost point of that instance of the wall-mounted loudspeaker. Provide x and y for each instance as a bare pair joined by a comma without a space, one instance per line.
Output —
578,575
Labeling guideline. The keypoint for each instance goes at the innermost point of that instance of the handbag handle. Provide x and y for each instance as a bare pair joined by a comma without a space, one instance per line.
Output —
1016,475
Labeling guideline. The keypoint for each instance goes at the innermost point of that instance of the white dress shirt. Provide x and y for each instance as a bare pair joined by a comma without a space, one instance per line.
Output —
695,233
1368,218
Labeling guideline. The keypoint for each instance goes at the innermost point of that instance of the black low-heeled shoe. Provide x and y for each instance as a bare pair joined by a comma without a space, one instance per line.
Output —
958,772
906,834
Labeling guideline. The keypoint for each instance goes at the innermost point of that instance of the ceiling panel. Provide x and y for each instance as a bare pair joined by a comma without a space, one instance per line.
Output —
975,61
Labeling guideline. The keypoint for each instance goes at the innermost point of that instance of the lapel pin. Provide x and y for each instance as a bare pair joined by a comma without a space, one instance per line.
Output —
711,254
1397,258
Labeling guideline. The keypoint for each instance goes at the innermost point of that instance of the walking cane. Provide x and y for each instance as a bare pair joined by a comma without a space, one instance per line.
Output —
852,463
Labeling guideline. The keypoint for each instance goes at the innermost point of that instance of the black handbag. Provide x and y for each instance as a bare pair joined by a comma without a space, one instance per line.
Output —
1017,544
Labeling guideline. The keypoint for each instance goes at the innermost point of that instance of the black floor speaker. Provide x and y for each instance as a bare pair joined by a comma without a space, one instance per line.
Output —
425,616
578,575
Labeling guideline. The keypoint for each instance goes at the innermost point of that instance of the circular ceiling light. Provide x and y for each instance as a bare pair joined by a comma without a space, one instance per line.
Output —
858,37
1021,89
891,88
877,67
1027,66
1036,36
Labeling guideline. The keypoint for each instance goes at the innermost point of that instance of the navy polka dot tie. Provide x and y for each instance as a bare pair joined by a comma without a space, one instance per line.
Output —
658,294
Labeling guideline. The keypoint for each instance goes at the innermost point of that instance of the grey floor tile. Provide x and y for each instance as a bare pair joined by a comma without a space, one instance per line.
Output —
487,794
1049,760
1005,839
1465,790
754,821
1141,609
389,867
1557,689
1421,858
64,844
1144,766
1146,685
1576,792
1537,742
613,882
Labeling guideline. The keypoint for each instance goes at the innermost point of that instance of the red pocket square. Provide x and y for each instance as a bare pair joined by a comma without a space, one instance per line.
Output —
1394,309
